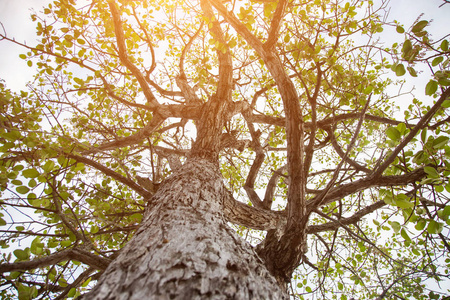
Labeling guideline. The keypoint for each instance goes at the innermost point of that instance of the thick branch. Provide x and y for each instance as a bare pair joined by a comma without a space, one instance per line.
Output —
132,139
365,183
323,124
346,221
83,256
123,55
240,28
256,166
108,172
187,91
262,219
251,217
272,186
276,23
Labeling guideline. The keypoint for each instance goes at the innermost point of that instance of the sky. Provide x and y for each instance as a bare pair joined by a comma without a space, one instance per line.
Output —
15,17
16,20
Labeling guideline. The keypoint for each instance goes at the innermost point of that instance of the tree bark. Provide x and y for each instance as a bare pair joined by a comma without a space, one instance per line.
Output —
184,248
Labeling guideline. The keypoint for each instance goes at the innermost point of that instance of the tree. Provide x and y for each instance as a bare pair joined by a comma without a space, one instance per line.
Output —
158,135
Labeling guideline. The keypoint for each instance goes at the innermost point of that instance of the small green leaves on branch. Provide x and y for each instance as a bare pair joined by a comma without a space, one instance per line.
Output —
431,87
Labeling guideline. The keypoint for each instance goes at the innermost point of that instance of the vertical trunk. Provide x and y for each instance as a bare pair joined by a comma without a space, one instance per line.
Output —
185,250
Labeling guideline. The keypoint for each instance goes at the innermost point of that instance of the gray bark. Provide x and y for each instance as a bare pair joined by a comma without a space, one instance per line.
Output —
184,248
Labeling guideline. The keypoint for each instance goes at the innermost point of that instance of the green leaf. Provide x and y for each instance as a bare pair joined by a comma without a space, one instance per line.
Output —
419,26
21,254
400,29
62,282
403,203
405,235
401,128
79,167
396,226
78,81
22,189
407,46
16,182
431,87
420,224
440,142
72,293
434,227
26,292
439,188
423,135
437,61
30,173
393,133
432,173
444,45
400,70
85,284
447,210
94,229
32,183
48,166
22,56
444,81
2,222
412,71
446,104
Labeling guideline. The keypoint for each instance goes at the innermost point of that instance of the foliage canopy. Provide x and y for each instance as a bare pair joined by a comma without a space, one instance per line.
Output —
301,116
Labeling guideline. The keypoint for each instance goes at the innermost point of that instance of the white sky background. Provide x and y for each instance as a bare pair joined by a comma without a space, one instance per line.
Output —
15,17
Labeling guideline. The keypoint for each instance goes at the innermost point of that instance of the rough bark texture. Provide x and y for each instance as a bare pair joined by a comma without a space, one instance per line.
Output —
185,250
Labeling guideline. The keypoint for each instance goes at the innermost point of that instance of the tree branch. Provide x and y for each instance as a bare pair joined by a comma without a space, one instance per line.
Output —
422,123
83,256
275,24
120,38
108,172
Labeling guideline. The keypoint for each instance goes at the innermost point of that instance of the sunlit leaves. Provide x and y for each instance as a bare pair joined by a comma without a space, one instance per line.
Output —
400,70
22,254
22,189
444,45
431,87
435,227
26,292
437,61
440,142
412,71
393,133
30,173
431,172
395,226
418,27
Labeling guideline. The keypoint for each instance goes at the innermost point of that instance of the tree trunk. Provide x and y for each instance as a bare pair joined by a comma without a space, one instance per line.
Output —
184,248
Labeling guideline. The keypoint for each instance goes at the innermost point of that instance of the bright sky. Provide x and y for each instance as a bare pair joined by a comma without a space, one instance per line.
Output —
15,17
